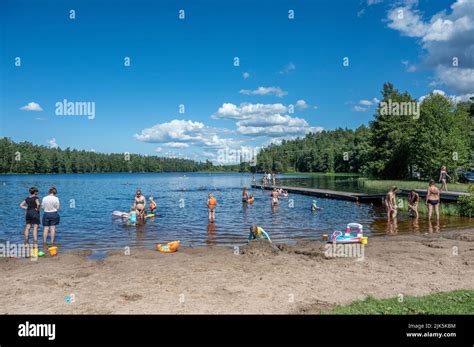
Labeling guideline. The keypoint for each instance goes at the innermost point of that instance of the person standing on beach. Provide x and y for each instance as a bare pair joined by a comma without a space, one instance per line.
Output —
32,206
391,203
50,205
432,199
413,200
443,178
211,206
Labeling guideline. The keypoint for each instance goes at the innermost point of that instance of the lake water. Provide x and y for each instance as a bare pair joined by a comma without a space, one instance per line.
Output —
88,200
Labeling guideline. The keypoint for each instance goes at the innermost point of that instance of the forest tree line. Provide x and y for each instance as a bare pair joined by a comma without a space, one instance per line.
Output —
391,147
25,157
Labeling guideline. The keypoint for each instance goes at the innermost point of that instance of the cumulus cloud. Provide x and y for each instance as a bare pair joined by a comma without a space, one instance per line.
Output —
454,98
301,104
445,37
287,69
31,106
264,120
182,134
265,91
52,143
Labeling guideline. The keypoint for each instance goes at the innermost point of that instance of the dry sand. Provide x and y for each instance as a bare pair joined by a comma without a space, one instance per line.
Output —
259,279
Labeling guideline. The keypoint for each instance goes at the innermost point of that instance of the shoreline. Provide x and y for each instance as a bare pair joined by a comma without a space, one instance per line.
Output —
258,278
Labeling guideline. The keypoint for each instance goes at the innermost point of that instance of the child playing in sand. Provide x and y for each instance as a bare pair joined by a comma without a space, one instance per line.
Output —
211,205
32,205
258,233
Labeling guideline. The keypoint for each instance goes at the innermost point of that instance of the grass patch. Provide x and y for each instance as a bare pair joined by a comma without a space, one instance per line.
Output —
325,174
455,302
445,209
385,185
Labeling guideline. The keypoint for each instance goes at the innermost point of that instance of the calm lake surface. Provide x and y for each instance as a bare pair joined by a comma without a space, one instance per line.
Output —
88,199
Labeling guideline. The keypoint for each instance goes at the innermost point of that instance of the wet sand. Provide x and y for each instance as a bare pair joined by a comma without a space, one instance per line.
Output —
258,278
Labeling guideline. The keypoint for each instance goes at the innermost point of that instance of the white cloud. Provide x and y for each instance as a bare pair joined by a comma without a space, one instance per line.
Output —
265,91
159,149
365,102
52,143
359,109
444,36
287,69
264,120
32,106
245,75
454,98
301,104
184,133
373,2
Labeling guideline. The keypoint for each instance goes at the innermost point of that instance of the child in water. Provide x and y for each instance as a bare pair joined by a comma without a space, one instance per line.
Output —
315,207
152,205
132,216
211,205
258,233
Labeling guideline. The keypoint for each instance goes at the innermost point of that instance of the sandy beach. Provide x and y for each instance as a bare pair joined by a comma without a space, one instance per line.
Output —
257,278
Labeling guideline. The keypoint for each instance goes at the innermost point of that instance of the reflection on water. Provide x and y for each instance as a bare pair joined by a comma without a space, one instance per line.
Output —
182,211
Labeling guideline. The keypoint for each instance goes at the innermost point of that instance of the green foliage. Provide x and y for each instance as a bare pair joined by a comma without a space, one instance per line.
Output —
340,150
394,146
25,157
466,203
455,302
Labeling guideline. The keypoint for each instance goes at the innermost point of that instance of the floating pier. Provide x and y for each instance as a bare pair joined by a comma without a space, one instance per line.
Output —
359,197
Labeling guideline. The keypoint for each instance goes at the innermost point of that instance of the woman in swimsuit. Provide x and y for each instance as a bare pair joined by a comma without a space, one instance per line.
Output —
140,204
432,199
443,178
274,197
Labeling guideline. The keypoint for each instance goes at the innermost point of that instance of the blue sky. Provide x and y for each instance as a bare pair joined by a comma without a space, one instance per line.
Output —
190,61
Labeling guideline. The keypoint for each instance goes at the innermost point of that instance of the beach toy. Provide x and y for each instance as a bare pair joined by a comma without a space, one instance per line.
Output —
34,252
53,251
349,236
325,237
170,247
40,254
149,215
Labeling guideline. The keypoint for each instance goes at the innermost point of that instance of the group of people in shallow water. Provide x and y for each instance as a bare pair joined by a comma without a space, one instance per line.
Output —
432,199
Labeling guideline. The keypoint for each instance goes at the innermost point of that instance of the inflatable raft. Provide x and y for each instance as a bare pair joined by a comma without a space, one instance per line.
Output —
349,236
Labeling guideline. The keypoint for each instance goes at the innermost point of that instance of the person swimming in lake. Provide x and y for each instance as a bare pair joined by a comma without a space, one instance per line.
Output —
413,200
32,206
315,207
443,178
257,232
432,199
245,195
211,206
274,197
140,204
391,203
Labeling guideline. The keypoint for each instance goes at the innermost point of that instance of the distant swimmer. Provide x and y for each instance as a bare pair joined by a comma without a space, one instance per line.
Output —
274,197
152,206
245,195
315,207
257,232
211,205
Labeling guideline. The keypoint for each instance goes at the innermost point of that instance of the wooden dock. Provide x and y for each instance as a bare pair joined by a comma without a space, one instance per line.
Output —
359,197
